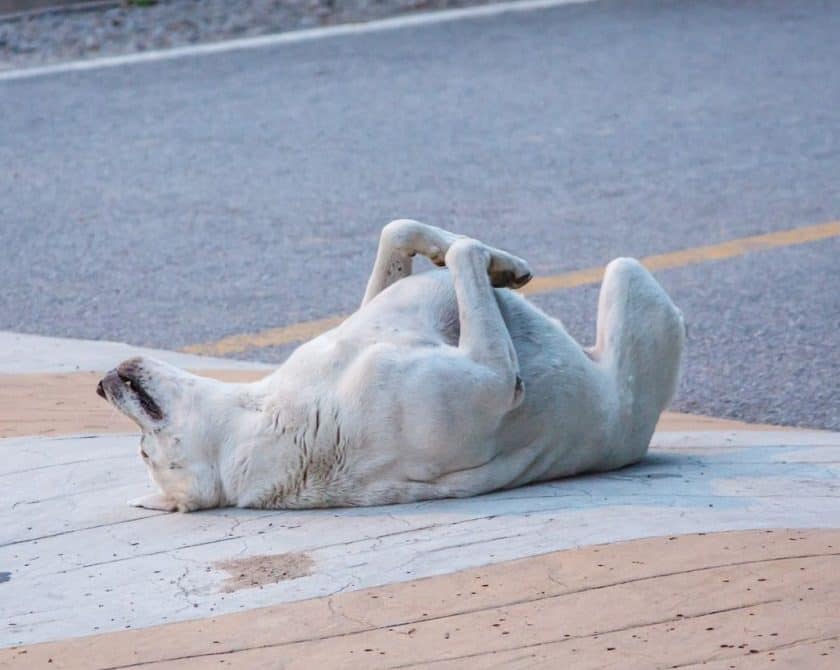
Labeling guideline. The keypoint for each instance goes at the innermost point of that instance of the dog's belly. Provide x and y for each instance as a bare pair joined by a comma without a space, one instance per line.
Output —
415,311
401,455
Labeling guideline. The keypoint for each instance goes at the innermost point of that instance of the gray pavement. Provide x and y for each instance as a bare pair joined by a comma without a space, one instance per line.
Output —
170,203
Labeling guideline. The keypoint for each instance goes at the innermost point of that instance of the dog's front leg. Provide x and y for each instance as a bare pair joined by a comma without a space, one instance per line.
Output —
484,337
399,242
156,501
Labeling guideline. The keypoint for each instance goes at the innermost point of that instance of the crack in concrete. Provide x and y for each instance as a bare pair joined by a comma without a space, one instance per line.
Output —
346,543
787,645
78,530
346,617
59,465
182,590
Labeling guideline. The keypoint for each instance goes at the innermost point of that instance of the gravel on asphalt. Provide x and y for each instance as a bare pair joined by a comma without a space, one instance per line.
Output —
72,34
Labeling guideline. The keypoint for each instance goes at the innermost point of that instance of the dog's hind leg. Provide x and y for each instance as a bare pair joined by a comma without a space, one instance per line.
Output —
640,337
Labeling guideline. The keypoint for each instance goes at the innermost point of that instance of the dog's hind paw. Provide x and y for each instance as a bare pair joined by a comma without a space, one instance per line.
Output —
155,501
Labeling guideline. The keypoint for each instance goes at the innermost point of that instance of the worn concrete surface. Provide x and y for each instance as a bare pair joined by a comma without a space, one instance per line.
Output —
81,561
757,599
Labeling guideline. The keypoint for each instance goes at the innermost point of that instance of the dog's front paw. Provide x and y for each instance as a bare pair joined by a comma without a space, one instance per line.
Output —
156,501
507,270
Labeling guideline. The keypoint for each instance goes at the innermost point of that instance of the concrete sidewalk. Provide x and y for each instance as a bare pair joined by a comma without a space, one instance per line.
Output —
76,561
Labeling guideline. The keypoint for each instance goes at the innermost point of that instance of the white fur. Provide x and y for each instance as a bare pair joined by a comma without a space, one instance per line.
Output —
438,386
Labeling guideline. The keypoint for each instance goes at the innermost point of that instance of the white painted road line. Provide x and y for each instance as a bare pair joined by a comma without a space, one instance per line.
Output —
292,37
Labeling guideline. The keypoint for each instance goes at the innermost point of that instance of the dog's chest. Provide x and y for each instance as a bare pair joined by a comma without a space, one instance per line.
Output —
306,453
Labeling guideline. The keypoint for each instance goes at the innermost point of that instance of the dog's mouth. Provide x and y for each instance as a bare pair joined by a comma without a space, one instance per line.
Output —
124,382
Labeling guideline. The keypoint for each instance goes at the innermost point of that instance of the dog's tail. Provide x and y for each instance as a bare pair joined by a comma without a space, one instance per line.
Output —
640,338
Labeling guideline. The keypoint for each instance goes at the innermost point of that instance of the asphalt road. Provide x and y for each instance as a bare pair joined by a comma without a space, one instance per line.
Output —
181,201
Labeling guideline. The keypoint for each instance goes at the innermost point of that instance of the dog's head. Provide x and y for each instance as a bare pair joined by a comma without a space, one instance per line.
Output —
175,412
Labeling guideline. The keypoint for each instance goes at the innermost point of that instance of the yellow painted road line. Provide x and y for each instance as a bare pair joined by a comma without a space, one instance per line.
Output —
305,330
273,337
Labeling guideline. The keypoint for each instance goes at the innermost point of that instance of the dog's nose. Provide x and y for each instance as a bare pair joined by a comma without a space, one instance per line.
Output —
99,390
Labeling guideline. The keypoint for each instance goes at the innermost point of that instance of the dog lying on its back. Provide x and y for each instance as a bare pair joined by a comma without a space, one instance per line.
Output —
442,384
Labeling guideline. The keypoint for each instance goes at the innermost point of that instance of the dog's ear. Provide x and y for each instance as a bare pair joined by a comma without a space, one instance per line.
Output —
156,501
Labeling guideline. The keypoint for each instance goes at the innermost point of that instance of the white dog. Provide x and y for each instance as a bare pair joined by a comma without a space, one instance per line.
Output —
440,385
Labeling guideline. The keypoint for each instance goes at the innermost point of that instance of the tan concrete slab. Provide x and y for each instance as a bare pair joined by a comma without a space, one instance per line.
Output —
51,404
802,655
682,422
66,404
740,599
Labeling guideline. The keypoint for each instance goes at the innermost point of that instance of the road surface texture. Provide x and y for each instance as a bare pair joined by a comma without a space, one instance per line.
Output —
178,202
